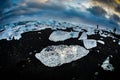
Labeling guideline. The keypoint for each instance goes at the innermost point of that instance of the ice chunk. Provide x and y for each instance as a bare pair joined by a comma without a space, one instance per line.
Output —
107,66
119,42
83,36
114,40
90,31
89,43
102,34
59,36
62,35
53,56
96,73
102,42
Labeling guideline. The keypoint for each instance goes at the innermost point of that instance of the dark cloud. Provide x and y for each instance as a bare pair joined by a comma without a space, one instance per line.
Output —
33,8
4,4
97,11
117,8
110,3
115,18
104,1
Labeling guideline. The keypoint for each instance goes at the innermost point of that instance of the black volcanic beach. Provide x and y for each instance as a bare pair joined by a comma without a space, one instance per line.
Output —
18,62
60,39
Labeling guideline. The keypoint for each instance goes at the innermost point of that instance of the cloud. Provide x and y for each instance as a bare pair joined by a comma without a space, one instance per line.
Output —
97,11
4,4
113,6
41,1
115,18
46,6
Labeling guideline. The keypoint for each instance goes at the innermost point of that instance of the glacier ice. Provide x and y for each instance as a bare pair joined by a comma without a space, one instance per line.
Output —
12,30
107,66
62,35
53,56
100,41
89,43
59,36
83,36
15,32
74,34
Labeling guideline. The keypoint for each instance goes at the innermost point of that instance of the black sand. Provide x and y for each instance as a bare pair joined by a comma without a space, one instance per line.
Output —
17,60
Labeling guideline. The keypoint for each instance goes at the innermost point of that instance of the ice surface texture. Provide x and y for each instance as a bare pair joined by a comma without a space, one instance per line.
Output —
53,56
62,35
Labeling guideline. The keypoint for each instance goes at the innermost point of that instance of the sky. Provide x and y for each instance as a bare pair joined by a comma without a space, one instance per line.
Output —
102,12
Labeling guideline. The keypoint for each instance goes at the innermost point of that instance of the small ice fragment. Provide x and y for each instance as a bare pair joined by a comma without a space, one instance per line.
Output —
30,53
17,37
83,36
39,32
101,38
114,40
111,56
98,51
39,37
107,66
103,35
96,73
119,42
90,43
102,42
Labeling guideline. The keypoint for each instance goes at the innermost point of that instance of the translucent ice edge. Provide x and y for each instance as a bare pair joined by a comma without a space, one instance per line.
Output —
53,56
